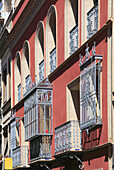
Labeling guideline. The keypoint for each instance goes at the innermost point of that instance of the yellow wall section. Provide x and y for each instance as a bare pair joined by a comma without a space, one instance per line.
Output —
8,163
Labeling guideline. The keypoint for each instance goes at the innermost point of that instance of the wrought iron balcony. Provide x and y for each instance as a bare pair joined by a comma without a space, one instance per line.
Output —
38,114
53,60
19,92
20,156
41,70
67,137
73,40
90,79
92,21
40,148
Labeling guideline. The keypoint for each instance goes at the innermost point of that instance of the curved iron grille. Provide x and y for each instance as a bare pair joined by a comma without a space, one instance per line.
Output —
90,95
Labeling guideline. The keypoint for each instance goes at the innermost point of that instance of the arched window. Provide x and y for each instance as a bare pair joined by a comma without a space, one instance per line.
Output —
17,77
71,27
51,52
39,51
25,65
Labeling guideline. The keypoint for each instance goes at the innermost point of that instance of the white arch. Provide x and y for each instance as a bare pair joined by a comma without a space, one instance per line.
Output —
51,41
39,47
71,20
17,74
25,62
86,7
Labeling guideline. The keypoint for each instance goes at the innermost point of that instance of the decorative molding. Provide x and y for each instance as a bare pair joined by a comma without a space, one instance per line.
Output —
30,102
87,54
25,19
43,94
31,85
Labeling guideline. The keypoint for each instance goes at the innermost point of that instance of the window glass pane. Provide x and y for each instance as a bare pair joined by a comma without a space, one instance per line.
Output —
48,111
32,119
29,117
25,133
32,130
48,119
28,132
31,114
41,118
35,120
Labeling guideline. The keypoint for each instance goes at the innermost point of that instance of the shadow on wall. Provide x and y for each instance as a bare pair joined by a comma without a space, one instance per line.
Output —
92,138
99,153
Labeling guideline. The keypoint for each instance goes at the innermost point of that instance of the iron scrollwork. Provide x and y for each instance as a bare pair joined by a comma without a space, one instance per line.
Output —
78,159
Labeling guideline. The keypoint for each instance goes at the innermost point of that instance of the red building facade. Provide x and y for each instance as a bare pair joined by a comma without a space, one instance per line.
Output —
62,85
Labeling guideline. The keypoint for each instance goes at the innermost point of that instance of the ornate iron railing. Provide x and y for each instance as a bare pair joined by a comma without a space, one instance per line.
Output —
90,88
73,40
20,156
27,82
90,94
40,148
92,21
53,60
41,70
19,92
68,137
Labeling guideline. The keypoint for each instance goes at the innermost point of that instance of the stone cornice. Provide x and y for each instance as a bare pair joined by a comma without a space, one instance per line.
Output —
17,8
24,21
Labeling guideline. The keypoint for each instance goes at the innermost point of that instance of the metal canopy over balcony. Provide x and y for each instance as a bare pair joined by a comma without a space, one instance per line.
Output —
73,40
92,21
38,110
67,137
